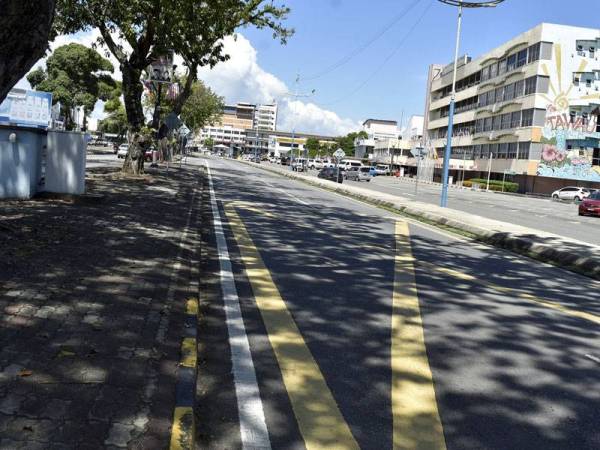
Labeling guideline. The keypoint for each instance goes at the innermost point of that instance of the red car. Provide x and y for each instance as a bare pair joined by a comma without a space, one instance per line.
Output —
590,205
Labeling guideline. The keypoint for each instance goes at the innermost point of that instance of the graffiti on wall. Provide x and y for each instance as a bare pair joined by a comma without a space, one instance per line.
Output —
557,160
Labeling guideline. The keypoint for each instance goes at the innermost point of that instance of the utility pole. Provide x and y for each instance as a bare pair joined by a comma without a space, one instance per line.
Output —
296,95
461,4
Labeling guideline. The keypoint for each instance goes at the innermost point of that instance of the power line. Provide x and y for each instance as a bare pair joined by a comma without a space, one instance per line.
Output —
362,47
386,60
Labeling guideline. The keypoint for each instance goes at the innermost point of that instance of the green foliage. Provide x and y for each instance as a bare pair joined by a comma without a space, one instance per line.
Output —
312,144
209,143
76,76
202,107
495,185
190,28
346,143
36,76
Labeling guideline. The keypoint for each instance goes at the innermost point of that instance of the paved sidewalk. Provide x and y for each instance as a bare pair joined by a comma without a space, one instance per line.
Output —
92,312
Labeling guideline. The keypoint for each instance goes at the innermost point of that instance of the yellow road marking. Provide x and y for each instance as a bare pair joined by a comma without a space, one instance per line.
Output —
188,353
319,419
522,295
191,306
416,419
182,432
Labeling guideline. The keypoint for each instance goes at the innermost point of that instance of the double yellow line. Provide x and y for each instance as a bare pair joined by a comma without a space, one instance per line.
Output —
321,423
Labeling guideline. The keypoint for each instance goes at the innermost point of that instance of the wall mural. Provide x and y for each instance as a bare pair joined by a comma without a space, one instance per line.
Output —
557,159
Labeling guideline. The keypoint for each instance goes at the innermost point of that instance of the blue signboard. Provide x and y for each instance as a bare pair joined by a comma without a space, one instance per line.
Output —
26,108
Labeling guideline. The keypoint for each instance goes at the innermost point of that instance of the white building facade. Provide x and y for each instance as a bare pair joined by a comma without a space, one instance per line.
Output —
265,117
528,108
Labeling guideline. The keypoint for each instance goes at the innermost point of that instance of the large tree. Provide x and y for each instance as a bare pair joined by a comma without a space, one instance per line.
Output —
25,27
77,76
138,31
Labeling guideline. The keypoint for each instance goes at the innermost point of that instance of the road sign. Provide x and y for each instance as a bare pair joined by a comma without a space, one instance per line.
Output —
418,152
339,153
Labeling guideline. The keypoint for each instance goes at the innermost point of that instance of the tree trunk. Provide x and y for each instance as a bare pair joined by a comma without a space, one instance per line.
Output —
132,94
187,90
24,30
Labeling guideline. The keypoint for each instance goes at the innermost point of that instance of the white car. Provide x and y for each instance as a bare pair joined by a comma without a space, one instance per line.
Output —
315,164
122,151
382,169
571,193
299,164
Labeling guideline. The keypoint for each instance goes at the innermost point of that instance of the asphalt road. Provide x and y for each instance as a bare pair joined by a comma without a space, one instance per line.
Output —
560,218
369,332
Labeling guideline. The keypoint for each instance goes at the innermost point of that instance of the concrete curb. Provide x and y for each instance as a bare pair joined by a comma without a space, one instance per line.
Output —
570,254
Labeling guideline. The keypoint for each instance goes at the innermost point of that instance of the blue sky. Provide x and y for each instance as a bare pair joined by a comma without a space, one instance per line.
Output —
327,30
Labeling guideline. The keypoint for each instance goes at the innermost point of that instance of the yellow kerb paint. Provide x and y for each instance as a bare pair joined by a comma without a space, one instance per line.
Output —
416,419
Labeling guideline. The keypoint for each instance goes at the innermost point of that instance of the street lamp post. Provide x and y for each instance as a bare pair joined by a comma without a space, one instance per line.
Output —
461,4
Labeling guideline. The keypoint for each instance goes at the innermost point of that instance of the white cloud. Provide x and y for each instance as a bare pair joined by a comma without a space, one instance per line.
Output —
242,79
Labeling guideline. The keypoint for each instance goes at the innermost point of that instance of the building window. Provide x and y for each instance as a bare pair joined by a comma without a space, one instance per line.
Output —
502,67
511,63
478,125
530,85
527,118
499,94
491,97
522,58
493,70
523,150
512,150
485,73
534,53
519,87
509,92
497,123
494,150
502,150
505,121
515,119
487,125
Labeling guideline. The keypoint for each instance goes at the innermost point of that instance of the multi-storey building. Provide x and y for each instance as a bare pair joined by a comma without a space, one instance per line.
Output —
528,108
265,117
281,143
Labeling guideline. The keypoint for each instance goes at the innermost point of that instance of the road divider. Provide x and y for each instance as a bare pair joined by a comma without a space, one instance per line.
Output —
563,252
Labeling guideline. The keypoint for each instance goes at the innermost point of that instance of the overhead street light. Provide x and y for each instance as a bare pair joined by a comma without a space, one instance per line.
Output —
461,4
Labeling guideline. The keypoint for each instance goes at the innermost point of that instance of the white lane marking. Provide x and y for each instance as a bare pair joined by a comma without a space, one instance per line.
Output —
289,194
253,426
593,358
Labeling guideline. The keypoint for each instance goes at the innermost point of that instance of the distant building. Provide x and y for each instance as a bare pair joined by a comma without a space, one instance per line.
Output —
265,117
281,142
243,126
381,129
376,130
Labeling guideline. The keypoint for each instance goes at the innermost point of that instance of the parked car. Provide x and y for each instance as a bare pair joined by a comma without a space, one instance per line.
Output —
348,163
382,169
571,193
315,164
299,164
285,161
591,205
148,154
331,174
358,174
122,151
